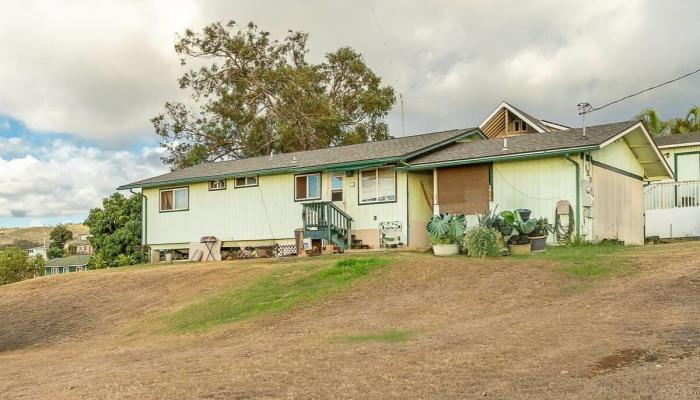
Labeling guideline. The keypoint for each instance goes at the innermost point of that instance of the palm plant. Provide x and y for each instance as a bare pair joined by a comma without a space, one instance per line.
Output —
652,119
447,228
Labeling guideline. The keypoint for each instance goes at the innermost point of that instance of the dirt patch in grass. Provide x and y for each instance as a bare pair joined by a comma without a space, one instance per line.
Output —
387,336
498,328
619,360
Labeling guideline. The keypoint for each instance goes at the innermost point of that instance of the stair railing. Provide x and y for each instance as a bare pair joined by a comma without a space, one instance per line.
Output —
326,215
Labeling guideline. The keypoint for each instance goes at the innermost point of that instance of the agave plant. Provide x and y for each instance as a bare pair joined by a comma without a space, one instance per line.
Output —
447,228
515,221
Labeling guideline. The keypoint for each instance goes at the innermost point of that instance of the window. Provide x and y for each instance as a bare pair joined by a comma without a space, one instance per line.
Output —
519,126
337,188
246,181
307,187
219,184
175,199
377,185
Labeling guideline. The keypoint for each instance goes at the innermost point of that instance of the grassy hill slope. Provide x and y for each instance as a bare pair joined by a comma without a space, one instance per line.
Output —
9,236
596,324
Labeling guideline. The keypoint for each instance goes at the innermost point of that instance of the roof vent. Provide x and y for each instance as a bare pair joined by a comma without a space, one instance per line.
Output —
272,153
294,160
505,144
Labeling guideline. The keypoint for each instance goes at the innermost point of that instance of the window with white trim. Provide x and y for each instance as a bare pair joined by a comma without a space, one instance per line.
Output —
519,126
377,185
337,187
246,181
307,187
218,184
177,199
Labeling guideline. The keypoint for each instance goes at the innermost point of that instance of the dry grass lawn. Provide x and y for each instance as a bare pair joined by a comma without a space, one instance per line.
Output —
36,234
418,327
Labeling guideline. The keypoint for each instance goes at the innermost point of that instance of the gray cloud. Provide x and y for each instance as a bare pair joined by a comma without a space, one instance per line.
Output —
63,179
104,71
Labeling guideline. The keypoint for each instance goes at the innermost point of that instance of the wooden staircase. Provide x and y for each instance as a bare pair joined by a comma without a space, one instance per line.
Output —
324,220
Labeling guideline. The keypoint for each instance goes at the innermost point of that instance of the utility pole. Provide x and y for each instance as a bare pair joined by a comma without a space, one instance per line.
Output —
583,109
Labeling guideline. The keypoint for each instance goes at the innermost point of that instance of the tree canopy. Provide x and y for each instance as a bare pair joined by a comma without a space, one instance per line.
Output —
17,265
115,230
657,126
58,238
256,95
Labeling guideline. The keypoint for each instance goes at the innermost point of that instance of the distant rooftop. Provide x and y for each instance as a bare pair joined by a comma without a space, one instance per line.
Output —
677,140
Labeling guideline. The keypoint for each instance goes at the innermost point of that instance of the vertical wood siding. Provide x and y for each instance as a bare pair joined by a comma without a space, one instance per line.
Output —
420,207
534,184
264,212
619,207
619,155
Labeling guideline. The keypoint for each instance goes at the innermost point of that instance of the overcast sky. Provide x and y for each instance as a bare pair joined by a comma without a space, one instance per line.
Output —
79,80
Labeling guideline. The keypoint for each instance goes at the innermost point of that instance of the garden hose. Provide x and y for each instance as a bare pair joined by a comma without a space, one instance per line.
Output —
564,233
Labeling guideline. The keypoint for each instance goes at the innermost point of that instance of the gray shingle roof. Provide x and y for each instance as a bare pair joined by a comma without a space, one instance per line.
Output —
678,139
79,260
386,149
523,144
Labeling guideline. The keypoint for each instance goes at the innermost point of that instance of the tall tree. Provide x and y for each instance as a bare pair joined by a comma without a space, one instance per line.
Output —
115,230
256,95
58,238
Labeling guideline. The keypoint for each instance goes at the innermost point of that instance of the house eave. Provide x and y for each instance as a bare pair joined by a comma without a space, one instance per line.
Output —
505,157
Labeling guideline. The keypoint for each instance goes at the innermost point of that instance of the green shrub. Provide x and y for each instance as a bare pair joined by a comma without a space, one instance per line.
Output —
482,242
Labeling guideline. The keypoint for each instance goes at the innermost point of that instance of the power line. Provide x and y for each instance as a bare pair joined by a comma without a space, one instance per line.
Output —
586,108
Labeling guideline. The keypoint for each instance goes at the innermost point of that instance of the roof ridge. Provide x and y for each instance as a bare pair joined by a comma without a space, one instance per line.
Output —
340,146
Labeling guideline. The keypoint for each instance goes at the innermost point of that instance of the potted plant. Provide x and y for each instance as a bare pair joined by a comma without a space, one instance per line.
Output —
538,236
446,231
519,242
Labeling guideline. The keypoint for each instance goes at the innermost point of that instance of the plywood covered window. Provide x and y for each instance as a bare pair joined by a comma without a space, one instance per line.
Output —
177,199
464,190
377,185
307,187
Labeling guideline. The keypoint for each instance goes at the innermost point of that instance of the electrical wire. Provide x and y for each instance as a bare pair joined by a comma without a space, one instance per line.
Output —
640,92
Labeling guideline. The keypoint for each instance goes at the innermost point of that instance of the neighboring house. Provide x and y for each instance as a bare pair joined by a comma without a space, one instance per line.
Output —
37,251
82,246
64,265
353,193
673,205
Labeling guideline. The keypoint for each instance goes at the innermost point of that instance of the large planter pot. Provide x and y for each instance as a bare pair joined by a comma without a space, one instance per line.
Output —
445,249
520,249
538,243
524,213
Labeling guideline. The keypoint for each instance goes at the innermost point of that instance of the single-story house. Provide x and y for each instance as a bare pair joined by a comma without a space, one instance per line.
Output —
373,191
64,265
673,205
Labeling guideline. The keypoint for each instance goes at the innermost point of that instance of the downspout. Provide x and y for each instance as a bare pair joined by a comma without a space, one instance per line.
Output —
144,225
578,194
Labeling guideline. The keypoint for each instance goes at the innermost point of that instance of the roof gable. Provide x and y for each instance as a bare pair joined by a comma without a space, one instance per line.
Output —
496,121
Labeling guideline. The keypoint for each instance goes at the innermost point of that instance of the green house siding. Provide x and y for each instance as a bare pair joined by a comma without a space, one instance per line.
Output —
264,212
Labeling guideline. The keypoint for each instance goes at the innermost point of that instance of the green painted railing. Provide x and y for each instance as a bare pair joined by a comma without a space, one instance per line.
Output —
326,217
